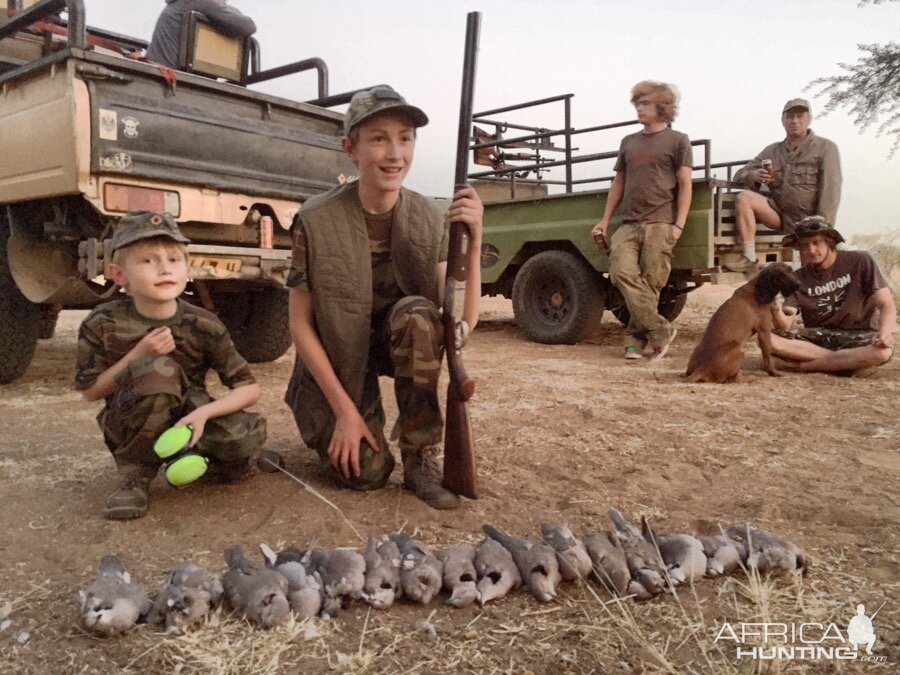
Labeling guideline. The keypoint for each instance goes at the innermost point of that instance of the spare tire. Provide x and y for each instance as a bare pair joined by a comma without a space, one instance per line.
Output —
258,322
557,298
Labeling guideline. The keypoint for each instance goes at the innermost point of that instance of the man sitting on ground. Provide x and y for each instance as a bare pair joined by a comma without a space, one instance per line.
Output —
848,310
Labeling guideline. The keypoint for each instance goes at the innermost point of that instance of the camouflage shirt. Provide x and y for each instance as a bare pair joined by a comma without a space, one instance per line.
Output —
201,342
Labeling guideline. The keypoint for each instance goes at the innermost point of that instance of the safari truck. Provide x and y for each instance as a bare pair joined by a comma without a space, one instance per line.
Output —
89,131
537,247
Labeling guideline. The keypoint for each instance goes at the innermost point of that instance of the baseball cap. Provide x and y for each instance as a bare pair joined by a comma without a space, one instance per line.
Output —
797,103
808,227
137,225
365,104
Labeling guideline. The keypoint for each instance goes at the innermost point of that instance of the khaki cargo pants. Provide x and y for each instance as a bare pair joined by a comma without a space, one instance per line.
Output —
640,260
154,393
408,346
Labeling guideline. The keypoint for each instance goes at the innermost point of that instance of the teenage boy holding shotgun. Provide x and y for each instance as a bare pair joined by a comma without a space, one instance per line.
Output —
367,280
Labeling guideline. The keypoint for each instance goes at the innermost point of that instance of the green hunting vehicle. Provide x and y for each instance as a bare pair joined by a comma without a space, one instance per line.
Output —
89,131
537,247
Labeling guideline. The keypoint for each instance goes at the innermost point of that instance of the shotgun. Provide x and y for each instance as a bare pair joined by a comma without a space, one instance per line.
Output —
459,450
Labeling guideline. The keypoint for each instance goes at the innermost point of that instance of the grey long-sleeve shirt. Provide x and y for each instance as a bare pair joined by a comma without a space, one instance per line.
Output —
166,39
807,179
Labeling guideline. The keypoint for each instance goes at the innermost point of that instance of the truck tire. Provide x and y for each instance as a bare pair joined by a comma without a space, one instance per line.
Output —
258,323
669,306
557,298
19,318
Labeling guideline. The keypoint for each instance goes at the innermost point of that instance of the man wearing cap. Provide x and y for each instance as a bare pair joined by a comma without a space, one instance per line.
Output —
147,354
802,174
366,281
848,310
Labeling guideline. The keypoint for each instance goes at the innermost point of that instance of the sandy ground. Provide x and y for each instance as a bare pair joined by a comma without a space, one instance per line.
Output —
563,433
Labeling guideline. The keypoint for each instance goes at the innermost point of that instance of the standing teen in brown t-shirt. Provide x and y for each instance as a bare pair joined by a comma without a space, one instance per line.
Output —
653,179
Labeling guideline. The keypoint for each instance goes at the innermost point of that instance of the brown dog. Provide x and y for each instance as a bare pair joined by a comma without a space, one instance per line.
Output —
719,355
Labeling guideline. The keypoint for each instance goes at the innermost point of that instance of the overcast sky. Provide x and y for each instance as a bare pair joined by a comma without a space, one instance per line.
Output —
735,64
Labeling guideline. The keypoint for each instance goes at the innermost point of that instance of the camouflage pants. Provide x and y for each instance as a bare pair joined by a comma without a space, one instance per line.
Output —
831,338
408,346
152,394
640,260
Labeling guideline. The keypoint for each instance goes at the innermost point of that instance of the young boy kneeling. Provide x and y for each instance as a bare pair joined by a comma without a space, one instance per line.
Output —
148,355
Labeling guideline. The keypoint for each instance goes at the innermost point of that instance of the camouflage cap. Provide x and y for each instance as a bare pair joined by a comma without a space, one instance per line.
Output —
379,99
797,103
808,227
137,225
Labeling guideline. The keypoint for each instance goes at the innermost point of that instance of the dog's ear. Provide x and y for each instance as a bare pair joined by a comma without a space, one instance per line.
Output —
764,291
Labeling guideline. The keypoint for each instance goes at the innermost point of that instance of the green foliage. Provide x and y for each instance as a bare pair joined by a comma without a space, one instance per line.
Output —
870,88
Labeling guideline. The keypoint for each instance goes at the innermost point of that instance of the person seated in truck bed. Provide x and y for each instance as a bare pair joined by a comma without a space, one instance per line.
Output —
803,174
848,310
166,40
366,280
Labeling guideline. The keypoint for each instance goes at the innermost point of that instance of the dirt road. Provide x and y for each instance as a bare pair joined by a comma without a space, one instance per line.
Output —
563,433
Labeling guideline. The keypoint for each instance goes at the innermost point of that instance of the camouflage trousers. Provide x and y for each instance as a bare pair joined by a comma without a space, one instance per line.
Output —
152,394
408,346
831,338
640,260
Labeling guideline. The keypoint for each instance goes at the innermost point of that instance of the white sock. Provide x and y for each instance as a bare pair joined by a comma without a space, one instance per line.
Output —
749,250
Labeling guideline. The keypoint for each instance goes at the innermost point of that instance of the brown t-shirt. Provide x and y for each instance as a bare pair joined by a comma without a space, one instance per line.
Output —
841,296
651,163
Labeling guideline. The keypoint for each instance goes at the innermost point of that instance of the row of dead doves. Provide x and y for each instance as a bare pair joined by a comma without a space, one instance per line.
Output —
627,561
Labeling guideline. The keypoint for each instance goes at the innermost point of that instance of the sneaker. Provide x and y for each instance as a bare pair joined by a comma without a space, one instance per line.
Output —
422,475
742,264
633,353
129,501
659,352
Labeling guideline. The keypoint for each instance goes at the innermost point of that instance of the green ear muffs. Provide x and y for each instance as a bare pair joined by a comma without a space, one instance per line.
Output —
183,466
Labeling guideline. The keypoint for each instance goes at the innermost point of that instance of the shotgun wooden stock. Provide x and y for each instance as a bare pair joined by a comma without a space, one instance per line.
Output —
459,447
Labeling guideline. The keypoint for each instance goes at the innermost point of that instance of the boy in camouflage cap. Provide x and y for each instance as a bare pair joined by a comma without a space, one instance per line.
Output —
366,281
147,355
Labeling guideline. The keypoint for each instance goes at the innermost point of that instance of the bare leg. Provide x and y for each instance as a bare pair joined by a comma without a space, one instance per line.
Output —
810,358
751,208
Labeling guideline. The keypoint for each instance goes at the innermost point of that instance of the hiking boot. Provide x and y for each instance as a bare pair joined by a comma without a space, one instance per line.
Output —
659,352
633,353
742,264
422,474
129,501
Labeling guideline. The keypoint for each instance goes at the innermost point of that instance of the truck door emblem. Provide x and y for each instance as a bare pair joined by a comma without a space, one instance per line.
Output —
109,126
130,127
490,255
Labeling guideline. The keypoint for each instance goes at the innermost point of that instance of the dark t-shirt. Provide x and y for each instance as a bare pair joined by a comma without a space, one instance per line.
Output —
651,163
841,296
201,342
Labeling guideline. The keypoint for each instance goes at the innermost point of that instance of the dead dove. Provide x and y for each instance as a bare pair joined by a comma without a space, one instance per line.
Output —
682,553
382,584
768,553
723,555
574,561
343,575
648,576
460,578
255,591
421,573
497,571
187,596
608,558
304,592
112,604
536,562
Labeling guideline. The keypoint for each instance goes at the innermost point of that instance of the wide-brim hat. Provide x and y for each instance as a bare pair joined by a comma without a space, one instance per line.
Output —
810,226
366,104
137,225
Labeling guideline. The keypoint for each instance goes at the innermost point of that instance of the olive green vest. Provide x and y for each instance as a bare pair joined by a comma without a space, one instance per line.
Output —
339,261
